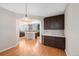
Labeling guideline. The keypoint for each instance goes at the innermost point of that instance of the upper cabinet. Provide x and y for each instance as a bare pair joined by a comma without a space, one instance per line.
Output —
54,22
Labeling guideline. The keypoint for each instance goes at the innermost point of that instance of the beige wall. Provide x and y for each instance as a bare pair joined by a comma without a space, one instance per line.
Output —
72,29
7,29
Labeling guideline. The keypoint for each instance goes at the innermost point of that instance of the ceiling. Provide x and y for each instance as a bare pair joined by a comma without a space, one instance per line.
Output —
36,9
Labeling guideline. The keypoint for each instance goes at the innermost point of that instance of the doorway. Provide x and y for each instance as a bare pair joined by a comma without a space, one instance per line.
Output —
30,31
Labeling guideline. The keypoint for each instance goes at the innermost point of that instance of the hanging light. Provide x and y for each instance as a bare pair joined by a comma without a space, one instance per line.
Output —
26,19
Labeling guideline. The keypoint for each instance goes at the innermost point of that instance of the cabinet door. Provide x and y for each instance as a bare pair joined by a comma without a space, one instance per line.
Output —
46,23
54,22
60,42
21,34
51,41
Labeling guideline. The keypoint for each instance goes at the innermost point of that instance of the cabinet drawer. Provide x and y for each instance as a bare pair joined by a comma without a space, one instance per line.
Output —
57,42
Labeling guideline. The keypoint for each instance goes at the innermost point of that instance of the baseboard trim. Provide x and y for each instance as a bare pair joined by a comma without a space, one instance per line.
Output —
9,47
65,52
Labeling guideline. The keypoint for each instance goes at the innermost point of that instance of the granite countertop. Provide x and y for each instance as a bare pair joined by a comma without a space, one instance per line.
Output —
53,35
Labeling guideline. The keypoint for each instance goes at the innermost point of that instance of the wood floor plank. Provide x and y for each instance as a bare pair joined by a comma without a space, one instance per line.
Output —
32,48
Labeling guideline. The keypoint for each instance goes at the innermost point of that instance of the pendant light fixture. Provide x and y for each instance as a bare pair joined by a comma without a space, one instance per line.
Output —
26,19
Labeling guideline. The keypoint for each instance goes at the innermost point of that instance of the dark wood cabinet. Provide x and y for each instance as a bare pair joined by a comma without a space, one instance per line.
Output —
37,34
52,41
54,22
21,34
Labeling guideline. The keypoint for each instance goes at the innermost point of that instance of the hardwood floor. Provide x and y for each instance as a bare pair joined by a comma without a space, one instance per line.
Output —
32,48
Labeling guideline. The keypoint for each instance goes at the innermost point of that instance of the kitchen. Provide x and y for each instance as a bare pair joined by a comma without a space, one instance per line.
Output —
29,29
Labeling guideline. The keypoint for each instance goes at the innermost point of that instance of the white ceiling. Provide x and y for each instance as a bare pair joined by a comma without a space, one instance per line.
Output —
36,9
15,7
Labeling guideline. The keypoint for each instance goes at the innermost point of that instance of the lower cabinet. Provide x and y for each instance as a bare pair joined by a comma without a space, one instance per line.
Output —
52,41
21,34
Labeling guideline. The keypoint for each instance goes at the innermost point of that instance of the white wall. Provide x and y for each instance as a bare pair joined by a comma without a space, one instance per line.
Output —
72,29
7,29
59,33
